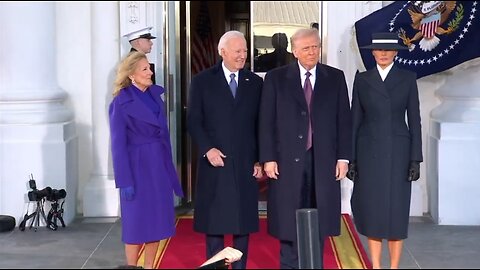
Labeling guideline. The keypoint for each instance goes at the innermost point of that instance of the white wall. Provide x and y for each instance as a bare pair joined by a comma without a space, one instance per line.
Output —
75,77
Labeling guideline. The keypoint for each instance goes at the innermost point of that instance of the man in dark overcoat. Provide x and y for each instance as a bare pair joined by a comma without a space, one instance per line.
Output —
304,176
222,120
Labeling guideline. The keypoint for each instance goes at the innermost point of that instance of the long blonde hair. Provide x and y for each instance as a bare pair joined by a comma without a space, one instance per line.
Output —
126,68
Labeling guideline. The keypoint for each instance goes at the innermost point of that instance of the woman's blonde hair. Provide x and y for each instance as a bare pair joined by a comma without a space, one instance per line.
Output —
125,69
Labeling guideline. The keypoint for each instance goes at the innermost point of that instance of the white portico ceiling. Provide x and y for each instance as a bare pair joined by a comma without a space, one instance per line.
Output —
285,12
269,17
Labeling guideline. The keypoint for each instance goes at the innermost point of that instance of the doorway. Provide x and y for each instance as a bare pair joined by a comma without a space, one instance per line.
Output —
202,23
200,26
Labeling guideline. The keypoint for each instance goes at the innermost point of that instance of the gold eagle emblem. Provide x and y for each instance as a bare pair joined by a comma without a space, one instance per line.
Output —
428,18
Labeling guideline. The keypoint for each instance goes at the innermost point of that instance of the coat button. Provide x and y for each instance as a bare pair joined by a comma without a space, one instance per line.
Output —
304,113
297,159
300,136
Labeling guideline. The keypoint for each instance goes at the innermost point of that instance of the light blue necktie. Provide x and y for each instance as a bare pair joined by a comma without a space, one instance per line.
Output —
233,84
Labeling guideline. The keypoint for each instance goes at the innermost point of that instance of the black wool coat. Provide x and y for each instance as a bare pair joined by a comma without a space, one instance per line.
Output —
384,143
226,200
283,130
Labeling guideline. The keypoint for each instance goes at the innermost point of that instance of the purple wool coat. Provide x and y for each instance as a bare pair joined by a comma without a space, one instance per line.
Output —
142,158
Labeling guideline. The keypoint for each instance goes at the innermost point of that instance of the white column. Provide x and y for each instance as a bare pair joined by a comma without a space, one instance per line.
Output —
454,149
37,134
100,196
30,93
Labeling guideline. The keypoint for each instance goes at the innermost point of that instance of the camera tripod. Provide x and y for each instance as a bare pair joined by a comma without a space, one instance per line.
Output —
55,214
39,212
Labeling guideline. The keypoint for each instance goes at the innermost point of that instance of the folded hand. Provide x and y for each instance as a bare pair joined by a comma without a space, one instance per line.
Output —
271,169
257,170
215,157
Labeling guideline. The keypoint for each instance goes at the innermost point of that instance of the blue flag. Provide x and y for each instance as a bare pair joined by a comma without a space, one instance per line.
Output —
439,34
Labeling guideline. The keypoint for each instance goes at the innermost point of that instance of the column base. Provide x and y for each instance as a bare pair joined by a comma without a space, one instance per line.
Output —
452,175
49,152
100,198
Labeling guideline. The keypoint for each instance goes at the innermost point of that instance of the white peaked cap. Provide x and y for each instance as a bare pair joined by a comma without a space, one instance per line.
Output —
140,33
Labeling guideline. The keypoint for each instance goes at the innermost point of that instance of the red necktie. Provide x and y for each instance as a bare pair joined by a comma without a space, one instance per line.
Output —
307,88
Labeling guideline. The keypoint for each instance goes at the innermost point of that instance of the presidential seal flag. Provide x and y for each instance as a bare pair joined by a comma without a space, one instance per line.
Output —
439,34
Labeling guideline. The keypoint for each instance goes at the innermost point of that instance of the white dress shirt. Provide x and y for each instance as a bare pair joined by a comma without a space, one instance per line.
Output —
313,74
227,73
384,72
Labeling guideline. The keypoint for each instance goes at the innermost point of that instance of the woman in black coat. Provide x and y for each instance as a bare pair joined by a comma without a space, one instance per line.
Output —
387,150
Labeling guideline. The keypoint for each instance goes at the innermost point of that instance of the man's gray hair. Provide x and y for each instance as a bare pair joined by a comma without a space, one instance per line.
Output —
226,37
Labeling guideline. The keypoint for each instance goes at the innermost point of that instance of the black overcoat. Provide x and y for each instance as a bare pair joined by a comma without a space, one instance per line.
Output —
384,145
283,130
226,200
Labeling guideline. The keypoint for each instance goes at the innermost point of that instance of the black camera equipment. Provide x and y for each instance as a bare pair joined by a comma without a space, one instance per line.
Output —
55,213
37,196
56,195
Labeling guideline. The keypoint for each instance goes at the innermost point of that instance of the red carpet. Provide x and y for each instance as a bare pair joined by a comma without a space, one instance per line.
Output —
186,250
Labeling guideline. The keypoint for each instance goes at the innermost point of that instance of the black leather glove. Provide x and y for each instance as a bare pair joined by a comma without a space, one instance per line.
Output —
352,171
414,171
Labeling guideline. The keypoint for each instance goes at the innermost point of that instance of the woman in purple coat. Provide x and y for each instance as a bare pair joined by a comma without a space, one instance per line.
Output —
142,159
